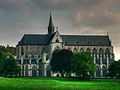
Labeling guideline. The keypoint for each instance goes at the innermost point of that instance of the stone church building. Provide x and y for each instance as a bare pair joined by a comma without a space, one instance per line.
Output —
34,62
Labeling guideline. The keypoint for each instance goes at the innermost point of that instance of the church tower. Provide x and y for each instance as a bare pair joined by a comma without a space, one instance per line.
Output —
51,26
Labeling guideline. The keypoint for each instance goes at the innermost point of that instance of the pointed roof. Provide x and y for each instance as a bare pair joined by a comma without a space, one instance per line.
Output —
50,21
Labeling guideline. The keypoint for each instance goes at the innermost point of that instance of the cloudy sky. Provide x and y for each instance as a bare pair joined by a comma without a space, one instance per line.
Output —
19,17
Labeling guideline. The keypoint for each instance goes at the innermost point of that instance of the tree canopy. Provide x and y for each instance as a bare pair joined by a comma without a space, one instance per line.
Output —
8,49
8,66
61,61
83,64
114,69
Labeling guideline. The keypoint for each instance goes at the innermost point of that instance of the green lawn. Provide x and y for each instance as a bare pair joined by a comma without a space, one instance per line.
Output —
56,84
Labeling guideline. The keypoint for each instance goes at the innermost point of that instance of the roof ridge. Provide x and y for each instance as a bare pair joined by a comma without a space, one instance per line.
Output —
86,35
35,34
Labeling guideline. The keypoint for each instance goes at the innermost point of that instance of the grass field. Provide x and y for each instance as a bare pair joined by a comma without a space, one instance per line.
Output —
57,84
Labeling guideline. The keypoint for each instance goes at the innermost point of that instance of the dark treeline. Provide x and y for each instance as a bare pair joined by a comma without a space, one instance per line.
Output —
8,49
8,66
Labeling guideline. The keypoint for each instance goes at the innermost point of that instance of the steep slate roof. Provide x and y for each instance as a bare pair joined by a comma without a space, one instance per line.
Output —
34,39
86,40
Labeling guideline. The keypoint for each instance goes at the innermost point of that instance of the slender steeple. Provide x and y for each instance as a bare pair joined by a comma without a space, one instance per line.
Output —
51,26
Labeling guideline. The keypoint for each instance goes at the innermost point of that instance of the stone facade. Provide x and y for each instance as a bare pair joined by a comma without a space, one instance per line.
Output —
35,62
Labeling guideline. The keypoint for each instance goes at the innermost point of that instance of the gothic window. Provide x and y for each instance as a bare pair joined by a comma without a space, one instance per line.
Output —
69,48
104,70
75,50
107,54
34,71
98,71
32,55
101,51
26,56
81,50
98,61
94,51
107,51
39,55
88,50
101,55
26,70
57,41
22,51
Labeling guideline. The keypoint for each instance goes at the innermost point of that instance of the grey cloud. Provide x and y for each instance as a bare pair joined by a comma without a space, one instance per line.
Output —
101,20
100,9
11,4
67,4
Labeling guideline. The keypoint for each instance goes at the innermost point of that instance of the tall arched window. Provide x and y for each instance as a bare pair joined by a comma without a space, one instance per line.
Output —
101,51
34,71
107,55
22,51
101,55
98,71
26,70
94,53
107,51
81,50
104,70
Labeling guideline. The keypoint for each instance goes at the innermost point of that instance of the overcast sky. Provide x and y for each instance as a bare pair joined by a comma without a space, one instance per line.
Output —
19,17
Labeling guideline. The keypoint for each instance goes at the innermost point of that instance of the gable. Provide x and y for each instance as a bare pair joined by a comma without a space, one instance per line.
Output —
57,38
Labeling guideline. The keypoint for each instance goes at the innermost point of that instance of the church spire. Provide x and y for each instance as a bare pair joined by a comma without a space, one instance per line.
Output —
51,26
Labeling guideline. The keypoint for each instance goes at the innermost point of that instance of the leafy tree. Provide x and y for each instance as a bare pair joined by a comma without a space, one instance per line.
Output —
83,65
114,69
61,61
8,49
2,58
2,48
10,67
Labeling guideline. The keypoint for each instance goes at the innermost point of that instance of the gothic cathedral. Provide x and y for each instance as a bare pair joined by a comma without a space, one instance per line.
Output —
34,62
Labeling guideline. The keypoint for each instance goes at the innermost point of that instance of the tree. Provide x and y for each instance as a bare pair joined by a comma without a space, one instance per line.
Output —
10,67
2,58
61,61
83,65
8,49
114,69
